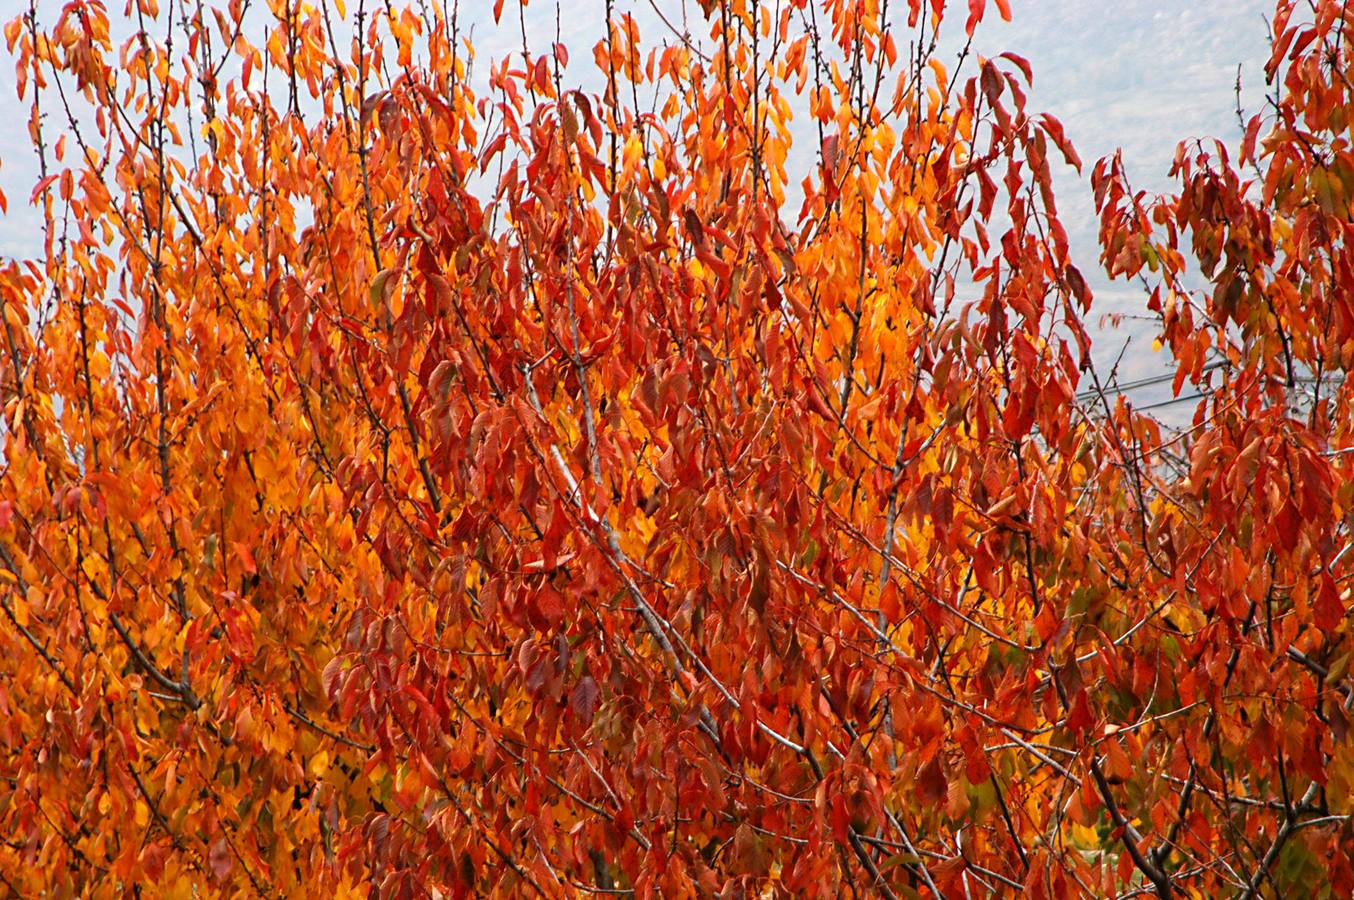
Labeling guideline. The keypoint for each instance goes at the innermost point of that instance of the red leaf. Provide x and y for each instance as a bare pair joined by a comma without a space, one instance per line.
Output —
1328,609
1021,63
493,149
975,15
246,557
931,782
1080,718
220,859
1248,145
1054,129
584,699
40,187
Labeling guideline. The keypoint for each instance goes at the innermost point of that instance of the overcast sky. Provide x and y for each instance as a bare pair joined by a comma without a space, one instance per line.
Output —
1135,74
1140,75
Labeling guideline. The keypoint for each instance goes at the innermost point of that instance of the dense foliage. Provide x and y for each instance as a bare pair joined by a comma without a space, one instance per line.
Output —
412,491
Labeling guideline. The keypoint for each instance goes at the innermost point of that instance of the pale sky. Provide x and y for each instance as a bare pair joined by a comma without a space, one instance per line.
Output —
1140,75
1136,74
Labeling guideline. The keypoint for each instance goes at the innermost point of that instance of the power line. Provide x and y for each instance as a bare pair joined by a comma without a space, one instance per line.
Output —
1147,382
1172,401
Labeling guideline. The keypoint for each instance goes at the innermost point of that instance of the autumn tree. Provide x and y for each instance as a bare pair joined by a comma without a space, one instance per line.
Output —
426,477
